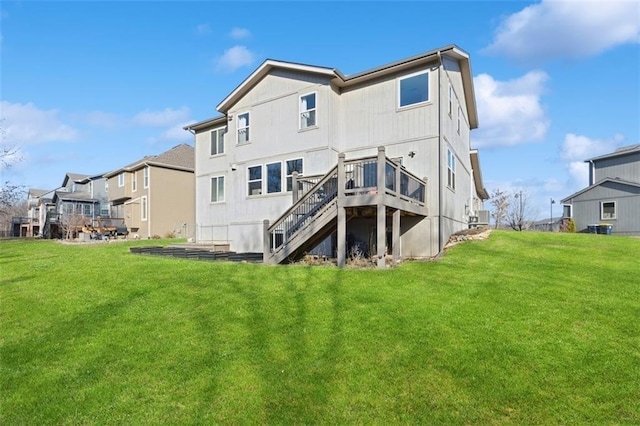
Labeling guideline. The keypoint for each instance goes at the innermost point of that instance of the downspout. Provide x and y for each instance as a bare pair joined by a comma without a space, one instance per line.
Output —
440,239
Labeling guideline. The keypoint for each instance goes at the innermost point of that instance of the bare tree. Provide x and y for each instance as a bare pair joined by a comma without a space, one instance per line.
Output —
519,213
500,203
71,224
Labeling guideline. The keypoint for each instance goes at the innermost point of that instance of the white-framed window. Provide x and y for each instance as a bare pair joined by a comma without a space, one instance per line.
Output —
145,177
134,181
459,118
91,188
254,180
217,189
217,141
86,210
567,210
121,179
295,165
308,110
607,210
413,89
451,169
243,127
274,177
143,207
106,185
450,100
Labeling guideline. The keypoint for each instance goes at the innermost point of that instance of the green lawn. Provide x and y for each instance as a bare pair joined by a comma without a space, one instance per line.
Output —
522,328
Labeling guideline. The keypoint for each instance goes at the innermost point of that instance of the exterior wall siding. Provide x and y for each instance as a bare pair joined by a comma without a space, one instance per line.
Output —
586,207
625,167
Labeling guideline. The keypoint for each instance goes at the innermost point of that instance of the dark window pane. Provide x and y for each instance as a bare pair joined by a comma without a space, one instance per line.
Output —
414,89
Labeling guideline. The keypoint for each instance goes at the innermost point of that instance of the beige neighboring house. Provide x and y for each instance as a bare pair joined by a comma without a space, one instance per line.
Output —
156,194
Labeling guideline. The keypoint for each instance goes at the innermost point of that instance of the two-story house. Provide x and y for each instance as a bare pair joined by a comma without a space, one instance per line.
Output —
155,195
31,225
613,194
379,161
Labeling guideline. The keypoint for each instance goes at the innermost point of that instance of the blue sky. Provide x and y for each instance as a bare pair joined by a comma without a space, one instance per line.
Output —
87,87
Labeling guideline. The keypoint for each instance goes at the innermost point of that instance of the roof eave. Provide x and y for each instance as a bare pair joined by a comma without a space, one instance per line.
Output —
208,123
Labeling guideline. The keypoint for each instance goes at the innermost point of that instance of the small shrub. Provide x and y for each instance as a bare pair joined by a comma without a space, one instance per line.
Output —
155,237
571,226
170,234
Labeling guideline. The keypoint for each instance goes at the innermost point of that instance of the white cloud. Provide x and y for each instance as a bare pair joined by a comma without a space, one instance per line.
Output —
177,133
510,112
239,33
567,29
234,58
203,29
576,149
164,118
24,124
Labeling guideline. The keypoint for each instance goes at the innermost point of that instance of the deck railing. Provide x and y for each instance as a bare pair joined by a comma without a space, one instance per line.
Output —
359,177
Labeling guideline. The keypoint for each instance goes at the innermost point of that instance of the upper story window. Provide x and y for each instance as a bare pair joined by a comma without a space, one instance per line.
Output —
608,210
217,141
307,110
121,179
134,181
106,185
255,180
91,188
450,100
459,119
145,177
217,189
293,166
413,89
451,169
243,128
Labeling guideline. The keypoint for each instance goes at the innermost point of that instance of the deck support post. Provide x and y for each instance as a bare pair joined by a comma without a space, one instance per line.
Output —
266,243
341,231
396,236
381,222
294,187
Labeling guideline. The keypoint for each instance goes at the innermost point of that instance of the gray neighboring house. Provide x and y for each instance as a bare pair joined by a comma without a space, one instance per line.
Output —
306,159
613,194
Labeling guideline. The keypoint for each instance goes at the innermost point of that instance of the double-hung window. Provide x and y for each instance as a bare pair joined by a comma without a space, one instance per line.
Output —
307,110
145,177
451,169
255,180
243,128
450,100
293,166
134,182
459,118
608,210
217,189
413,89
274,178
217,141
121,179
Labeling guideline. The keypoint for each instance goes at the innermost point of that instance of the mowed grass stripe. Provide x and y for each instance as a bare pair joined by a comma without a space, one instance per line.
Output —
519,328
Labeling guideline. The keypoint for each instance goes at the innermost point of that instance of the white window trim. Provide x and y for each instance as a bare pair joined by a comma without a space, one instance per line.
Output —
262,192
218,131
301,111
265,189
120,179
238,128
452,168
459,118
286,176
146,177
224,190
399,84
144,207
570,210
134,182
615,210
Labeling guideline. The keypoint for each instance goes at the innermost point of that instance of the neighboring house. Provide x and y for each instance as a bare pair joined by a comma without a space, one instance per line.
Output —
31,226
387,149
613,194
155,195
555,224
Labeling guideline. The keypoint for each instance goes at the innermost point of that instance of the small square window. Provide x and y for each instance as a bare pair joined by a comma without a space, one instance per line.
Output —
608,210
414,89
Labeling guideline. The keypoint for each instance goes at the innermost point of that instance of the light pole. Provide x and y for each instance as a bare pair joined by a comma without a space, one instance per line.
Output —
551,215
520,214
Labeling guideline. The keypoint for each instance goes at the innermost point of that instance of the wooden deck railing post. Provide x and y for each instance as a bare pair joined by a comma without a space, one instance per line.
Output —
381,223
342,215
294,186
266,244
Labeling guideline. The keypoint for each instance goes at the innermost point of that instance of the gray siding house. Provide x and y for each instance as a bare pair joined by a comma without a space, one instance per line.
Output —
613,194
306,158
